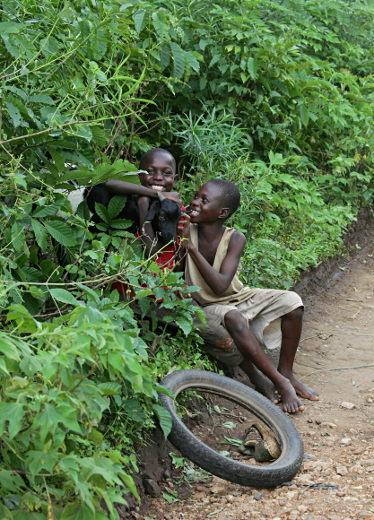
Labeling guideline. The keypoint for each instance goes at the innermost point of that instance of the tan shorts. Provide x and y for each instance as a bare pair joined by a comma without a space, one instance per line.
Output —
263,312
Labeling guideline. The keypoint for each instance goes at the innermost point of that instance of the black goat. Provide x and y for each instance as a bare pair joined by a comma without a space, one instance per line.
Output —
163,213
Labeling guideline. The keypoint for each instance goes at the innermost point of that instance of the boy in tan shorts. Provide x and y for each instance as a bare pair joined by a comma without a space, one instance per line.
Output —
240,319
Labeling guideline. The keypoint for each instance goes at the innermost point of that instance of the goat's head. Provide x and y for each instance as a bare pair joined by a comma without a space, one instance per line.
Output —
165,215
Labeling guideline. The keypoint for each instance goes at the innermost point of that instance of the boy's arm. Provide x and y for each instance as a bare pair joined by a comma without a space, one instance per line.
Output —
126,188
217,281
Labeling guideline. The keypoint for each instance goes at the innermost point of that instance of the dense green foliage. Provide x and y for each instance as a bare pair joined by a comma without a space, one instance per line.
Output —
275,96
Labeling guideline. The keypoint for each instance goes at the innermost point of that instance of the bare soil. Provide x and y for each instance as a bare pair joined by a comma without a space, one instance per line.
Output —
337,431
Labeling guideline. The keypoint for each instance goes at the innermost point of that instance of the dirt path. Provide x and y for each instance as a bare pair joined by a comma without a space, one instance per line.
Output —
338,437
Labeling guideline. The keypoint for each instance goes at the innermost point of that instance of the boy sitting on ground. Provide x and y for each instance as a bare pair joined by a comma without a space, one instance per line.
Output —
238,317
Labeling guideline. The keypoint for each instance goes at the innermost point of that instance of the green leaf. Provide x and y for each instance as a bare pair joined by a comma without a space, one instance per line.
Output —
134,410
37,293
232,440
57,158
164,390
127,177
40,234
170,498
178,462
31,304
110,388
61,295
276,159
25,45
8,349
32,274
164,57
3,367
12,49
252,67
51,209
184,324
229,424
51,416
17,311
81,130
120,223
160,23
10,481
304,115
164,417
13,413
18,236
194,64
11,27
20,93
99,135
14,113
82,176
144,304
60,232
140,18
116,205
178,60
30,365
41,98
39,460
119,170
102,212
83,211
90,292
143,293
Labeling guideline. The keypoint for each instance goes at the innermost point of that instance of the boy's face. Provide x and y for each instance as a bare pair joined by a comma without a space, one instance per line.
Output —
206,206
161,175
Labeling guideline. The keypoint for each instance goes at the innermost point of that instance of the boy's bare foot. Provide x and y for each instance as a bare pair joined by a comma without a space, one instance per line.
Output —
264,386
303,390
260,381
290,401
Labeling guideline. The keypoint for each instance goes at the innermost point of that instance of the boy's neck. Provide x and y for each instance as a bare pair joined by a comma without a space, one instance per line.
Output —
212,230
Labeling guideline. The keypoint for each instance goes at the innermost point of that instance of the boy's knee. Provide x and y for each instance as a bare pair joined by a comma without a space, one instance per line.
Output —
235,321
296,314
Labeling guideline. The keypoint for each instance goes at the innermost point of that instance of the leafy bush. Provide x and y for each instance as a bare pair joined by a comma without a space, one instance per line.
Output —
73,359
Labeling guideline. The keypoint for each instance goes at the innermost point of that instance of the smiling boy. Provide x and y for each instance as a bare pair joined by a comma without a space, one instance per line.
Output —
158,175
240,318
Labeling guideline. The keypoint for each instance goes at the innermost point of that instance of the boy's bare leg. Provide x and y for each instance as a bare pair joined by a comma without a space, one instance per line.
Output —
291,331
262,383
248,345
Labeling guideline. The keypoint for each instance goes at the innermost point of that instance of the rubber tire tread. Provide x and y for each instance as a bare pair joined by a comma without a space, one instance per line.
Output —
281,470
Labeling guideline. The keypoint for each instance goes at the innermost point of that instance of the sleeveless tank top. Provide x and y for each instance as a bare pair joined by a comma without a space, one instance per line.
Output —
236,293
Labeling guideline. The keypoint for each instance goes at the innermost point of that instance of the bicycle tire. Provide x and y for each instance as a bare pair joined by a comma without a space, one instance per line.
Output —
281,470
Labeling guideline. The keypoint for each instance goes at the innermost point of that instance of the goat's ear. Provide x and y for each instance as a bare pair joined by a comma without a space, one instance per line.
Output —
155,206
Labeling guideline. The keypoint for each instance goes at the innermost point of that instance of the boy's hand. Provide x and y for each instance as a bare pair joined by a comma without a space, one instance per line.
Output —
172,195
183,230
180,296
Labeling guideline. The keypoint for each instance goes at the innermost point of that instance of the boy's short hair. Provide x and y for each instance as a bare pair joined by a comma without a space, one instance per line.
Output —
230,194
153,151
